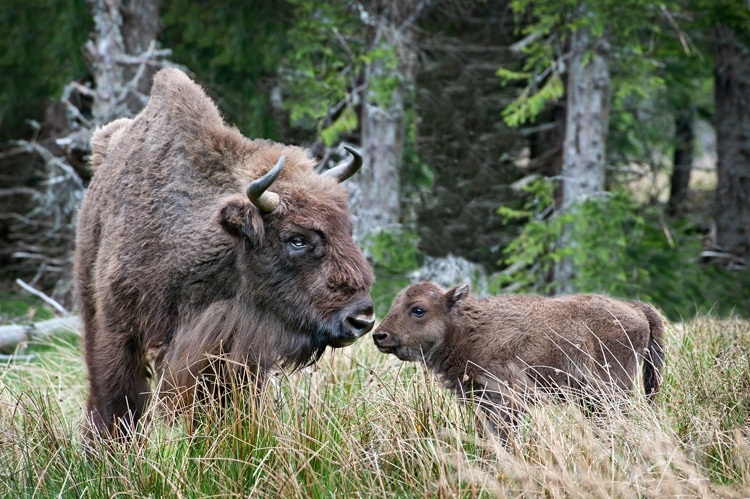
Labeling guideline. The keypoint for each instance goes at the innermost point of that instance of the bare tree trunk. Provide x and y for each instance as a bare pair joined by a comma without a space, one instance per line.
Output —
383,113
586,125
383,148
683,159
140,28
120,56
732,97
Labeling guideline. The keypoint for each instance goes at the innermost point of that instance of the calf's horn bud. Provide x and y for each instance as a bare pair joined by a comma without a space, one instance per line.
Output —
347,169
266,201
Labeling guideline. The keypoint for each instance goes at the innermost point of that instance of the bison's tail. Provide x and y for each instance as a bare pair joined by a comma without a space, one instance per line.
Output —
654,358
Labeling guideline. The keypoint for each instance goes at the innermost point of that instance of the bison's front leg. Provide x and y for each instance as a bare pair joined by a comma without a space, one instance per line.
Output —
118,376
497,416
211,383
497,407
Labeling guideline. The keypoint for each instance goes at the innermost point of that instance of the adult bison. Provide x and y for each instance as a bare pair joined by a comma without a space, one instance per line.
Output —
504,351
196,242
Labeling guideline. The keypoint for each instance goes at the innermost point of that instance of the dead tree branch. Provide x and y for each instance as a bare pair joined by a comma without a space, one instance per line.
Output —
122,57
44,297
12,335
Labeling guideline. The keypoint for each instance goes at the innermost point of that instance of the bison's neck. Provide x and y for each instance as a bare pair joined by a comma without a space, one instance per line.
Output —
457,356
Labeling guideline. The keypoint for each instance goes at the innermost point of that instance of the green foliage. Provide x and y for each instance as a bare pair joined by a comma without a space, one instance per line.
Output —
534,252
383,81
506,75
629,26
329,52
527,106
40,51
312,53
394,254
641,127
620,249
347,122
734,14
22,308
235,49
323,59
603,232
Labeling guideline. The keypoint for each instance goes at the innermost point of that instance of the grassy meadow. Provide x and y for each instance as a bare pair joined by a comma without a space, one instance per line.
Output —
362,424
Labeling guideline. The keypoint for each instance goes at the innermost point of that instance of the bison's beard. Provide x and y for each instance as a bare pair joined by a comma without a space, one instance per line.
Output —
304,331
305,340
244,334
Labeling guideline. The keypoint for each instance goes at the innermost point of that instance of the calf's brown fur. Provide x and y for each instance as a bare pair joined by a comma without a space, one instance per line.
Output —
178,260
501,350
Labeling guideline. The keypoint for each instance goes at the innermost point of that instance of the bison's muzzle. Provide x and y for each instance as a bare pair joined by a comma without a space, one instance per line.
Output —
384,342
355,322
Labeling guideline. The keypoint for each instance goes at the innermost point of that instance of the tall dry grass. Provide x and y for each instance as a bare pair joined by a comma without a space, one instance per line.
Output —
362,425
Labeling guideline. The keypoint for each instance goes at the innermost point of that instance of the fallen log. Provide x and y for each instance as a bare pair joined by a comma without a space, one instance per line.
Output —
13,334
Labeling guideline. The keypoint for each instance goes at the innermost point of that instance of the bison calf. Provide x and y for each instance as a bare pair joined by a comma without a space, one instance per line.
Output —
502,350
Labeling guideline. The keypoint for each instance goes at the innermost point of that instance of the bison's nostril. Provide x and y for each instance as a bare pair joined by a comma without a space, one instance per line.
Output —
360,324
378,337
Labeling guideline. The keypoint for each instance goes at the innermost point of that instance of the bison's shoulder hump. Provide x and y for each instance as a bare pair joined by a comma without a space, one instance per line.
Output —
104,139
185,127
176,95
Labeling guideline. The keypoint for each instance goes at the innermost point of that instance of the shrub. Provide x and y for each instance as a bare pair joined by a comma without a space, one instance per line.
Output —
621,249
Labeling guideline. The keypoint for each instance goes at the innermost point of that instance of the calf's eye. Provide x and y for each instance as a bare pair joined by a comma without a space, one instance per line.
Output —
417,311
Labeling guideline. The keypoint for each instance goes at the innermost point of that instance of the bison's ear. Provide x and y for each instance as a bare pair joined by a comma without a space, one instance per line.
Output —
455,295
241,219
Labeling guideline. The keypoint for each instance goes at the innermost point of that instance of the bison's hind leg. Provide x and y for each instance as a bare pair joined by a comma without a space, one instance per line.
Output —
119,383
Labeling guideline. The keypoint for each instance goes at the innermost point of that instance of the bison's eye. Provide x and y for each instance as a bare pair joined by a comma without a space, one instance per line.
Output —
297,243
417,311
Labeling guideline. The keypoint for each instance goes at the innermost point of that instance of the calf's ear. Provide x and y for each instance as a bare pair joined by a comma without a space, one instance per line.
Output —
455,295
241,219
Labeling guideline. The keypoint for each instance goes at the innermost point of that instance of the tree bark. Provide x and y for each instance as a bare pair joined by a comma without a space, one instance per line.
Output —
383,148
121,57
683,159
383,112
124,40
586,125
140,28
732,98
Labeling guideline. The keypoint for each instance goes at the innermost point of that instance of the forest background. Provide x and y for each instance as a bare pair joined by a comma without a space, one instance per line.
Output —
525,146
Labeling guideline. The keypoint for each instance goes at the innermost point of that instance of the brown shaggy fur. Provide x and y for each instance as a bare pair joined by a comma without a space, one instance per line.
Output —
500,350
173,263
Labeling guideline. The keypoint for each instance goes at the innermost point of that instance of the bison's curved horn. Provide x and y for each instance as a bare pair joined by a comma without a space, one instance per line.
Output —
347,169
256,190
